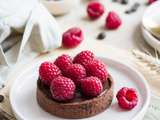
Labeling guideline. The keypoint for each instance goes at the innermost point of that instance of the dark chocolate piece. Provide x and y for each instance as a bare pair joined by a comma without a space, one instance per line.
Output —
101,36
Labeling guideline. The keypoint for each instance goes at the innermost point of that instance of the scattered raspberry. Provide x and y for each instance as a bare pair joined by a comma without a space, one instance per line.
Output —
48,71
97,68
72,37
83,57
76,72
127,98
62,89
113,21
151,1
63,62
95,10
91,86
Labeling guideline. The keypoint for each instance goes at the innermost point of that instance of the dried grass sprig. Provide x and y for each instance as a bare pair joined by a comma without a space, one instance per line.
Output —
150,67
152,63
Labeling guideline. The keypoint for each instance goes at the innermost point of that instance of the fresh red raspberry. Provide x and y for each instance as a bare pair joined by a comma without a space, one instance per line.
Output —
97,68
48,71
72,37
63,62
113,21
95,10
127,98
151,1
62,89
76,72
91,86
83,57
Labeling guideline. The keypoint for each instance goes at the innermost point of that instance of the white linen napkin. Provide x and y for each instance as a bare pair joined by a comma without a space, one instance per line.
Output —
32,19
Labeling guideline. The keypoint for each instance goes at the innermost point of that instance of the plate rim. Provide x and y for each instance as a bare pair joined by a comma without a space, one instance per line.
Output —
18,115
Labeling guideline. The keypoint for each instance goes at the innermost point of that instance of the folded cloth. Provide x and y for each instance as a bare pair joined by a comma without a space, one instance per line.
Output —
32,19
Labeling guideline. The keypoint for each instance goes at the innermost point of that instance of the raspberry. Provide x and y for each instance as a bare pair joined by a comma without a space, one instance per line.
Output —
76,72
95,10
151,1
127,98
62,89
63,62
97,68
113,21
91,86
48,71
72,37
83,57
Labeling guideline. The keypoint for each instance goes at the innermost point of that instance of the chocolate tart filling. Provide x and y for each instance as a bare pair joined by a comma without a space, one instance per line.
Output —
79,107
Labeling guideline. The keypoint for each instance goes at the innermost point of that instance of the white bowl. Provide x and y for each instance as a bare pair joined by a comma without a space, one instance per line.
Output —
59,7
25,107
152,41
150,15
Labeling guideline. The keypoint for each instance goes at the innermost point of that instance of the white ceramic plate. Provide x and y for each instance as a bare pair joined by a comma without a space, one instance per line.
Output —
25,107
151,14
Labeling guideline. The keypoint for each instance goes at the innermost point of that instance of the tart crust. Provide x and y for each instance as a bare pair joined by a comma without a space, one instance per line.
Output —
79,108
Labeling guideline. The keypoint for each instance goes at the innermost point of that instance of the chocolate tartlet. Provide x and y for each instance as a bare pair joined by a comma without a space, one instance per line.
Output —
79,107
